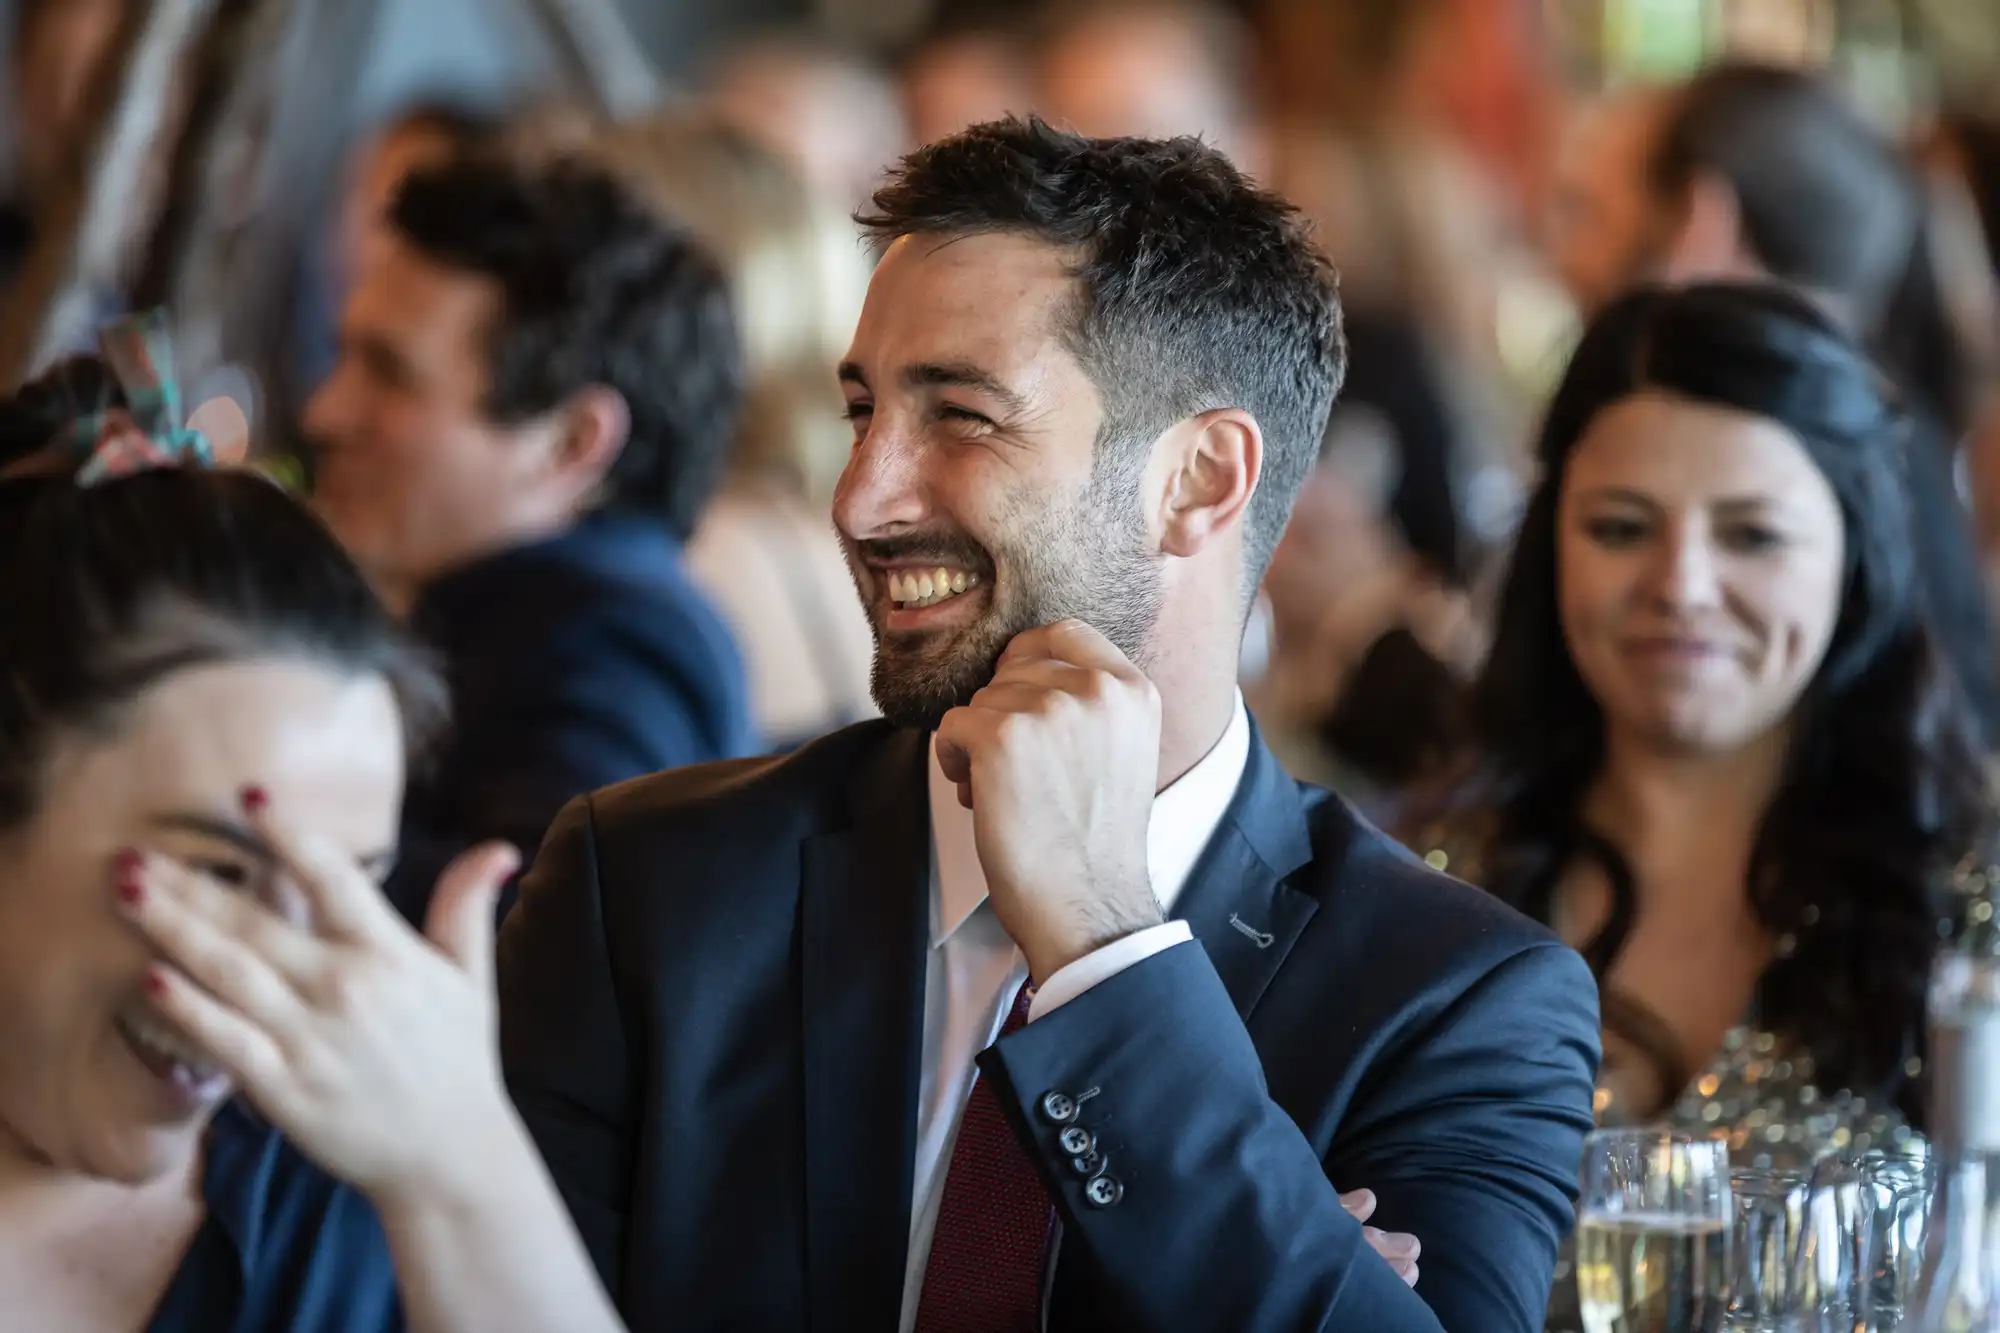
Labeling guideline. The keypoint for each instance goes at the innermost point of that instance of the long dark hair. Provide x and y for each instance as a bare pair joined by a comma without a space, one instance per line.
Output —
1881,789
107,589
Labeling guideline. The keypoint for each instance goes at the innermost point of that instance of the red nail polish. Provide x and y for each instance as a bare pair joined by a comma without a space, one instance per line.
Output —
125,877
255,799
156,984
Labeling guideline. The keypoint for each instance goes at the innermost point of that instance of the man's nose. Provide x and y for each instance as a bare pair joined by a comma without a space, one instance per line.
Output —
881,492
337,409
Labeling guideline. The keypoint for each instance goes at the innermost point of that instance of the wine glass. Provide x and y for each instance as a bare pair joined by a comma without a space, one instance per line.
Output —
1653,1232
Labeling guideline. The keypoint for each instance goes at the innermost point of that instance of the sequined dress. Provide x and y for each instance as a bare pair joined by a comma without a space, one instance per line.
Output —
1759,1091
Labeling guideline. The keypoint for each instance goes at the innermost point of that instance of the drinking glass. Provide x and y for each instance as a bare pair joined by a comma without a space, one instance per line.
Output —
1832,1249
1898,1185
1772,1209
1653,1235
1833,1261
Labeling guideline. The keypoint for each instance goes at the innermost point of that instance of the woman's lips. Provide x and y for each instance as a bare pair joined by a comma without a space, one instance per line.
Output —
1675,648
190,1084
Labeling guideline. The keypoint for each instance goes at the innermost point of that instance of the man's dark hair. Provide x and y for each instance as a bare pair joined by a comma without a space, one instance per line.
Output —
1826,201
595,289
1195,290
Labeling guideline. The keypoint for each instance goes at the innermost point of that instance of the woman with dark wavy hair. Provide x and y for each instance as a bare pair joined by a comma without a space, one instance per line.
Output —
1716,751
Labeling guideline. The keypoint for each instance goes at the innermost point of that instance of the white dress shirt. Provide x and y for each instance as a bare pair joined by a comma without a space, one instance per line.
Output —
975,970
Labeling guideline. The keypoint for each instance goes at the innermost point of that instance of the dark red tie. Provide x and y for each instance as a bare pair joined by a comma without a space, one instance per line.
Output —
991,1246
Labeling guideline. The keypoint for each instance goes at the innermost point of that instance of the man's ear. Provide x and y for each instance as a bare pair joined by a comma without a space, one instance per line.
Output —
596,424
1212,462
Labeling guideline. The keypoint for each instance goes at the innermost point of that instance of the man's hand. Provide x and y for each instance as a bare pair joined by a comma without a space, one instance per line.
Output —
1058,759
1400,1248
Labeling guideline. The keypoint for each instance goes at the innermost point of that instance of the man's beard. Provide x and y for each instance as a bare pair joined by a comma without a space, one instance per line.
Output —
1087,561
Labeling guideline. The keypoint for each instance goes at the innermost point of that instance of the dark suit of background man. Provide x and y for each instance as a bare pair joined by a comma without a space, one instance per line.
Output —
538,381
742,1004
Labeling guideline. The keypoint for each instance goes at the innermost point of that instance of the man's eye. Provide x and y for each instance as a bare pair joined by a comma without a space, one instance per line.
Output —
950,413
856,411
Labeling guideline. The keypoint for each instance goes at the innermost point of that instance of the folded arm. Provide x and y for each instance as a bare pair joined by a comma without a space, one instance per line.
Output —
1223,1216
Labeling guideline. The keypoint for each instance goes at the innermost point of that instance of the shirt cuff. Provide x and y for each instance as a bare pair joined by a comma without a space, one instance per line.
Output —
1105,964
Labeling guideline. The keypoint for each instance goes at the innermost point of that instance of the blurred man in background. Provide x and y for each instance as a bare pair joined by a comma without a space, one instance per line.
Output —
1604,222
537,384
1126,67
965,77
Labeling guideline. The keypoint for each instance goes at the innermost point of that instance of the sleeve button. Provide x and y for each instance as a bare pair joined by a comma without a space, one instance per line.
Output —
1078,1141
1103,1192
1058,1108
1089,1165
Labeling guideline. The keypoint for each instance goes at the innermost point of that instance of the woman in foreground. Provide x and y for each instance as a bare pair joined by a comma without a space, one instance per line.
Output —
207,1010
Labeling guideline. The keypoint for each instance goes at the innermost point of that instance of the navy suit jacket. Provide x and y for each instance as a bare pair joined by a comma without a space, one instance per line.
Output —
574,663
712,995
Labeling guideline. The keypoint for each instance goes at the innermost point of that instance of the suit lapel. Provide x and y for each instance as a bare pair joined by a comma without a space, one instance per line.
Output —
1236,900
864,924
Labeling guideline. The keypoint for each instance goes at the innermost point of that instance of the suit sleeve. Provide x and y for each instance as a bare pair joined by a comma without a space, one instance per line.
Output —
562,1037
1223,1216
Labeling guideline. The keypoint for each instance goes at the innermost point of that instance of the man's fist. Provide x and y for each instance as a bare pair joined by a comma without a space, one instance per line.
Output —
1058,759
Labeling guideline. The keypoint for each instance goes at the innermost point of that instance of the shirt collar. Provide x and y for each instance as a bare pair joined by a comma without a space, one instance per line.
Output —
1184,818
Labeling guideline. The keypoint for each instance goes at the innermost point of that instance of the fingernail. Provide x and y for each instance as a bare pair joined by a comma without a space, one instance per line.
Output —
1403,1245
125,881
155,982
255,799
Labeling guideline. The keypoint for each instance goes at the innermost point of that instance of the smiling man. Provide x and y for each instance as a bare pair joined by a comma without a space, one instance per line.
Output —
537,384
1048,1000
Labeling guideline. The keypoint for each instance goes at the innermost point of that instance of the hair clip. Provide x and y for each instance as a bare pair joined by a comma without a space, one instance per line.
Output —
148,431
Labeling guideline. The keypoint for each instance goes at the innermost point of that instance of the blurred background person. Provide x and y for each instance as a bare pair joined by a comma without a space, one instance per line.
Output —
58,55
1962,160
1604,228
1150,68
765,550
1761,171
1713,746
1371,630
1361,139
965,75
537,387
418,136
836,116
1364,670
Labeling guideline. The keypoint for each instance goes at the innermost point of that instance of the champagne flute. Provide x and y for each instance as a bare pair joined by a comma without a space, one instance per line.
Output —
1653,1235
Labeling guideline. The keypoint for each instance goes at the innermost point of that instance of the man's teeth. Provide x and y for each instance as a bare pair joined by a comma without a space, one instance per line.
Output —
155,1037
928,587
